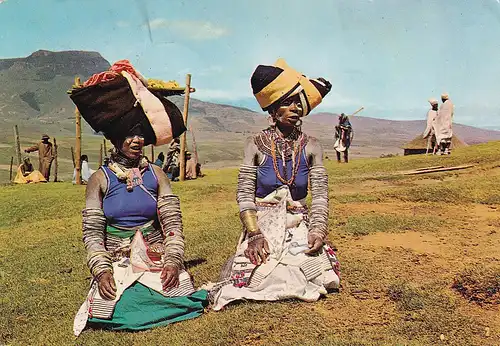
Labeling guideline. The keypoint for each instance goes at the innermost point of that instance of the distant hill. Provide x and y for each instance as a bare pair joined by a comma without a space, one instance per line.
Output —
33,91
33,95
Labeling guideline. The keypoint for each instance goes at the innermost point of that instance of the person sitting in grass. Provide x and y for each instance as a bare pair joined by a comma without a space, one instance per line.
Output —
282,252
132,225
27,174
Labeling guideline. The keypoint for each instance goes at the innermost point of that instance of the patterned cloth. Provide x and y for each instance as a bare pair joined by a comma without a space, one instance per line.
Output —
136,268
288,272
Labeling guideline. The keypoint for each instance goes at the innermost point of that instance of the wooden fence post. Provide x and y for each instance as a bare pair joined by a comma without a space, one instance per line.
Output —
100,157
18,145
182,156
73,157
11,163
56,162
78,140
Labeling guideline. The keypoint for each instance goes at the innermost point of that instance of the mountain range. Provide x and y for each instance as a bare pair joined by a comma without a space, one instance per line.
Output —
33,96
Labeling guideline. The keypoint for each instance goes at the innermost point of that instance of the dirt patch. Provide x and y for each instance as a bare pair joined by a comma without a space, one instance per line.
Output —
416,241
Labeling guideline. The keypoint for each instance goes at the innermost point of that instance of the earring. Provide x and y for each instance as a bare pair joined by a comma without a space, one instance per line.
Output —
271,120
299,123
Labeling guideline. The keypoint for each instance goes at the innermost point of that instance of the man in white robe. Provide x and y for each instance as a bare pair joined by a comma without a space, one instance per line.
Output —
443,125
430,132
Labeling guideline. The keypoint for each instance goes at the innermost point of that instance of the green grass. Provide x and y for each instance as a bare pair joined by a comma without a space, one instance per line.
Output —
370,223
429,312
44,279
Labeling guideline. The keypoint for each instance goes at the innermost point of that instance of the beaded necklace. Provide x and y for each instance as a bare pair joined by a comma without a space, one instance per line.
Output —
297,148
127,169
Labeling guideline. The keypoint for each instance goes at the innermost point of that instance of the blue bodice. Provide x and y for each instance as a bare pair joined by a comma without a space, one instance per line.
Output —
130,208
267,180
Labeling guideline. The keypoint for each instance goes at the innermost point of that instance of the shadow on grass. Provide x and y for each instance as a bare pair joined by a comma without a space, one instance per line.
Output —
431,315
480,284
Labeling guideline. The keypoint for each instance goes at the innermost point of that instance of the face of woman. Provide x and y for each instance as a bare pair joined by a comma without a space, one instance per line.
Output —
132,146
289,111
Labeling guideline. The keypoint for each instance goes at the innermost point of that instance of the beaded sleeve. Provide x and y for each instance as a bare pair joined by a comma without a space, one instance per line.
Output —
169,210
319,206
247,180
93,227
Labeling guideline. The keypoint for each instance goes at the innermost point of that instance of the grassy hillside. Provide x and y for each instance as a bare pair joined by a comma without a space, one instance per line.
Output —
420,260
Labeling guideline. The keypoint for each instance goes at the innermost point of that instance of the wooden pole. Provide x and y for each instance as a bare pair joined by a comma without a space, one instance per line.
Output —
11,163
100,157
18,145
78,144
182,158
152,153
194,145
104,147
73,157
56,163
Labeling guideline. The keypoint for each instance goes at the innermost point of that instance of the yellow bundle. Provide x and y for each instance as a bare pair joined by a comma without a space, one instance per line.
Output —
159,84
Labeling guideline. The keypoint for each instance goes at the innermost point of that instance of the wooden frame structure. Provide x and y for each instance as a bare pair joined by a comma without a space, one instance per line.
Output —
187,90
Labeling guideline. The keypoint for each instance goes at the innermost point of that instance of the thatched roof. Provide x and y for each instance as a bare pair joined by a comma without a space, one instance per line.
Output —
421,143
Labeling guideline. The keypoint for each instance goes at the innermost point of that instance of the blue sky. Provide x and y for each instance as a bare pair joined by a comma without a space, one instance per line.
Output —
387,55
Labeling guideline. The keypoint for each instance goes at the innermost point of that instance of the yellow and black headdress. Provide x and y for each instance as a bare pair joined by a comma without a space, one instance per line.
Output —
273,84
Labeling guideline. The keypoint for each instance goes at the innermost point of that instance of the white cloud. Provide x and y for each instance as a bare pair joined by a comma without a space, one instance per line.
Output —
218,94
122,24
211,70
158,23
191,29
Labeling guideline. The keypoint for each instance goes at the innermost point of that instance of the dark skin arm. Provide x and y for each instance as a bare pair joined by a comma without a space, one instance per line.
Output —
170,274
314,153
96,188
258,250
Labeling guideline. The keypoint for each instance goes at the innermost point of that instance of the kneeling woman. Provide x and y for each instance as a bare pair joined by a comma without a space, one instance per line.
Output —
282,252
132,230
132,224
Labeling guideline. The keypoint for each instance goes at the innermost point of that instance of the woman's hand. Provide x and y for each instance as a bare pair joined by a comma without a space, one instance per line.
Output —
169,277
106,285
315,242
257,249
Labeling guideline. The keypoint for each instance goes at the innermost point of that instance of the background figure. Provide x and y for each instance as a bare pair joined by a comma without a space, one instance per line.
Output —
190,166
85,170
26,167
27,174
159,161
430,132
45,155
443,125
171,166
343,137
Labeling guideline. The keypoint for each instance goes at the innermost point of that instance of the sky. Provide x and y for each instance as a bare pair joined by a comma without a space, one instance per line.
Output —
389,56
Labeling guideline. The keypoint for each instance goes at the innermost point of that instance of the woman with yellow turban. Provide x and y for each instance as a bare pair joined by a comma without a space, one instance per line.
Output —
282,252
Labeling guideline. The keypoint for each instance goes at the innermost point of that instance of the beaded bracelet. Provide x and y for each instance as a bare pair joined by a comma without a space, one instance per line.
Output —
255,237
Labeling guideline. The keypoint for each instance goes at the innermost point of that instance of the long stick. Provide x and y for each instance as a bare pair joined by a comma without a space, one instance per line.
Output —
56,162
73,157
152,153
104,147
100,156
11,163
182,166
359,110
194,144
18,145
78,144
